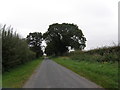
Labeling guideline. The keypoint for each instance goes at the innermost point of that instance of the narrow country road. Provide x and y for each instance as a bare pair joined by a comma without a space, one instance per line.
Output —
52,75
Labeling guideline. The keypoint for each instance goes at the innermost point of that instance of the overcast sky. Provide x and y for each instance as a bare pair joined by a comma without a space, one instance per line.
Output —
98,19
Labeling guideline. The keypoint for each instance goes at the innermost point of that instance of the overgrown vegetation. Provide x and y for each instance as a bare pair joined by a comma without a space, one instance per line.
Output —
15,50
17,77
105,54
98,65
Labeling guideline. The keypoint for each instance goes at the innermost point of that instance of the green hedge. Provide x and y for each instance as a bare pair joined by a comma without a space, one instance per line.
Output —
15,50
105,54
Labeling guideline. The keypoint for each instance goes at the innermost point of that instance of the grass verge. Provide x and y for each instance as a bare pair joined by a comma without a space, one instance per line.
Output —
103,74
16,77
0,80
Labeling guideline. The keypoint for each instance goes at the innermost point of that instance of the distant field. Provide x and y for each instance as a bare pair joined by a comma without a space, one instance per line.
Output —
16,77
104,74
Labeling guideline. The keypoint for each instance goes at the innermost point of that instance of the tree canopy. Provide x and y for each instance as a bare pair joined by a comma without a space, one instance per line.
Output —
60,37
34,41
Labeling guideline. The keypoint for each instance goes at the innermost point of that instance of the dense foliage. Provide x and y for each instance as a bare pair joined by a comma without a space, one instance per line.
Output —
60,37
34,41
105,54
15,50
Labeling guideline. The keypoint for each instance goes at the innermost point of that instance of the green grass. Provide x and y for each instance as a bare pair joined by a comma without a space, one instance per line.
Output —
16,77
0,80
104,74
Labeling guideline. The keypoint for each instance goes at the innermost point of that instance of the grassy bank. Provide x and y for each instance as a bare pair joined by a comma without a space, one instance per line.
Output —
104,74
16,77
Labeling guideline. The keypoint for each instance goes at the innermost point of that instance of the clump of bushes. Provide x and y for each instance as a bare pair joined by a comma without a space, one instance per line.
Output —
105,54
15,50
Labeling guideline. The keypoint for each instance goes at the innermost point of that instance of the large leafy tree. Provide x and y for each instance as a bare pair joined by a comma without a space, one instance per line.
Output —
34,41
60,37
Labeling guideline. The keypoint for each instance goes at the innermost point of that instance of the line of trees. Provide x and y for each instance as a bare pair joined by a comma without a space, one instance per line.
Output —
15,50
59,38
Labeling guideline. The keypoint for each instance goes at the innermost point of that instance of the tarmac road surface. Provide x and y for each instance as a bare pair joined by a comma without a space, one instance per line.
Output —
52,75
